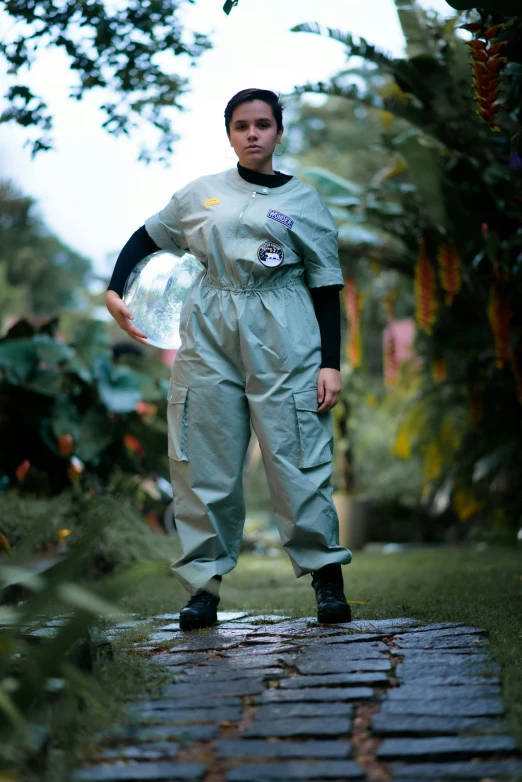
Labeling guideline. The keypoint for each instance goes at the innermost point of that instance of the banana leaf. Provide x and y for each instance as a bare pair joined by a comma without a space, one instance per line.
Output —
19,357
353,234
118,386
418,41
50,351
332,186
94,435
424,171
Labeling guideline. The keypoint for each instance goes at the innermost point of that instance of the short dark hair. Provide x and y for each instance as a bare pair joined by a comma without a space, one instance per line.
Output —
267,96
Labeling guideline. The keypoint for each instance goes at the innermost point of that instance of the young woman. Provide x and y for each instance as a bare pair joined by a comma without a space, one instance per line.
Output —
260,343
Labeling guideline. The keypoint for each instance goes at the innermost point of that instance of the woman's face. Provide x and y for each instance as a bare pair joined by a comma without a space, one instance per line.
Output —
254,135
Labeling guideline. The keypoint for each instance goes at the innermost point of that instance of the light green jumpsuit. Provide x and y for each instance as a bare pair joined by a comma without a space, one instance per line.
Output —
250,354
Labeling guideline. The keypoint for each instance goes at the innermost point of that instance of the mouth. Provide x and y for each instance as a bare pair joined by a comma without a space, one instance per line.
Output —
253,147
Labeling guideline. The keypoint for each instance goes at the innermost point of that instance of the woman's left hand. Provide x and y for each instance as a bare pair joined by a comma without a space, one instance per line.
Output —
328,389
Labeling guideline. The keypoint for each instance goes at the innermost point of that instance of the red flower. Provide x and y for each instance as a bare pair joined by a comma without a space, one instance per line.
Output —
353,300
486,66
425,295
449,271
133,445
499,314
22,470
65,444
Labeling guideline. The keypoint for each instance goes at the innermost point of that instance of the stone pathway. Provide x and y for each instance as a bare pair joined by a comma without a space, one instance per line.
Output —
273,699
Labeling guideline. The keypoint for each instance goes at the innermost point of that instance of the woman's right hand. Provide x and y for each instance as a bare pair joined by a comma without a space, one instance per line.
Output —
123,317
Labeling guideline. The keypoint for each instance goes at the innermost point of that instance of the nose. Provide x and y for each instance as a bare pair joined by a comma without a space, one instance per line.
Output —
252,133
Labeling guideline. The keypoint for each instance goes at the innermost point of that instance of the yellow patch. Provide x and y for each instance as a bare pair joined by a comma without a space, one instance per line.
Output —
212,201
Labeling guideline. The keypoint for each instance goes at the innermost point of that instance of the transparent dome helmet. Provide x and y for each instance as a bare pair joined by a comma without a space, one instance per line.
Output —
155,292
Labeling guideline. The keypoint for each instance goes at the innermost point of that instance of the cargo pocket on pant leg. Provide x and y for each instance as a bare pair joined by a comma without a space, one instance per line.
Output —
314,429
177,422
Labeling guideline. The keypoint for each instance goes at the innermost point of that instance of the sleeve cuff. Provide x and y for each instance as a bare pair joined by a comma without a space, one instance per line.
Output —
158,233
320,280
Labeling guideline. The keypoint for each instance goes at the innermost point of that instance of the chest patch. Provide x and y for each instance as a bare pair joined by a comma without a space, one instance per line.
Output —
270,254
212,202
280,217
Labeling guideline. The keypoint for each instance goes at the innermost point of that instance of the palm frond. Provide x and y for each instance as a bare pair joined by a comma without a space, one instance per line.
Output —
360,48
417,116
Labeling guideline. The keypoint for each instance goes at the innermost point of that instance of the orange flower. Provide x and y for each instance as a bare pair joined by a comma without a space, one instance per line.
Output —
499,314
22,470
133,444
146,410
4,544
391,364
425,296
353,302
439,370
449,271
65,444
476,395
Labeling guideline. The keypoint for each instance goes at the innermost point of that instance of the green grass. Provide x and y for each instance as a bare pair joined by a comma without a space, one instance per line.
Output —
482,588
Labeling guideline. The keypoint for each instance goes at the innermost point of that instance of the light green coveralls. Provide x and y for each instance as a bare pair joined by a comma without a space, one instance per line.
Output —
250,354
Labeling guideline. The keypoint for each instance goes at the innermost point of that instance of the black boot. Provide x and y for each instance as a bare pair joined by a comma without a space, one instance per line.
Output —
200,611
332,607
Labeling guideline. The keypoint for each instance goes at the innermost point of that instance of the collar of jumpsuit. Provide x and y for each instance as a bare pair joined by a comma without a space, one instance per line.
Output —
267,180
236,180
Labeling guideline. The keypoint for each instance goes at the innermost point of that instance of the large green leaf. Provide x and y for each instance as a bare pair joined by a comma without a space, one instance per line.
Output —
118,387
94,435
84,600
46,383
14,574
65,418
91,341
330,185
11,711
425,173
18,356
354,234
51,351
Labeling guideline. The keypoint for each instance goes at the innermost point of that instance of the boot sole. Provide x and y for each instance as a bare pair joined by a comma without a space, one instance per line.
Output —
334,617
189,623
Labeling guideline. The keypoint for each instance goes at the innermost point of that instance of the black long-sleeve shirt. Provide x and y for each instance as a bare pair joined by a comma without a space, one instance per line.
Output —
326,299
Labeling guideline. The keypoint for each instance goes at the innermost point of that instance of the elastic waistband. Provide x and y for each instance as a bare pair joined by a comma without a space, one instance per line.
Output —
294,282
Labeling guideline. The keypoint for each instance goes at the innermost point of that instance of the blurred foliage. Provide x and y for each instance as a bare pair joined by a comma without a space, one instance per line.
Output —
38,273
74,414
122,52
50,646
122,537
436,233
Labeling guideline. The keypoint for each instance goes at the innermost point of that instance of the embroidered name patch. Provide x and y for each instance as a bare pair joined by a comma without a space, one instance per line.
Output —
212,202
280,217
270,254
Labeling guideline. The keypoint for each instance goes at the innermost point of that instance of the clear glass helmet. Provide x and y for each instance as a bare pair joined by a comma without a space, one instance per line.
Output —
155,292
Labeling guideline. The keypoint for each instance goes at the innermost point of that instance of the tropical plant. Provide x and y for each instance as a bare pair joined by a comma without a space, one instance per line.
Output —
50,644
73,414
445,215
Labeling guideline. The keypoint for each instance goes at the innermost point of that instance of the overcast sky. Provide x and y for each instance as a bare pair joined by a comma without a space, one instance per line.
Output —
92,191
